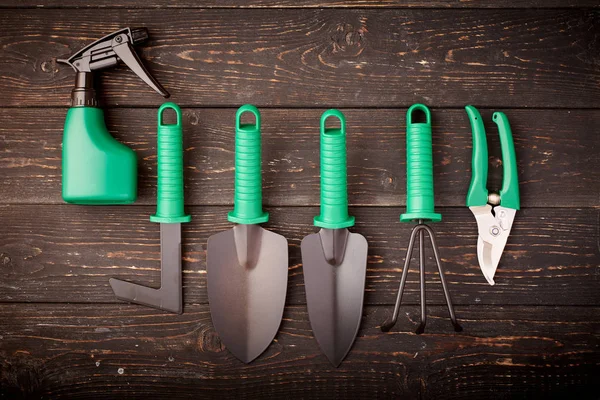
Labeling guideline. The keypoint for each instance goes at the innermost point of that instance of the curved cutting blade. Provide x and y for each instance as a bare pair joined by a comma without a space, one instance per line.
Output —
334,277
494,231
247,272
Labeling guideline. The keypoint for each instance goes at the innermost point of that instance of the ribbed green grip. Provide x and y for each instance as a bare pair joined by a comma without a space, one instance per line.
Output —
509,195
419,169
169,202
247,202
478,193
334,193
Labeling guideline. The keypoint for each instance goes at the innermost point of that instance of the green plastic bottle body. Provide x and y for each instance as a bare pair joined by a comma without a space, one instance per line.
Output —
169,198
334,193
419,169
247,202
96,169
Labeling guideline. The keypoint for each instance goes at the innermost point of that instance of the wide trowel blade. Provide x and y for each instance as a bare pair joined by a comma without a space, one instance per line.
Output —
335,267
247,272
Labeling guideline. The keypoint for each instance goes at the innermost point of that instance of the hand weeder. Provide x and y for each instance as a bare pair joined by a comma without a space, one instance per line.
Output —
170,215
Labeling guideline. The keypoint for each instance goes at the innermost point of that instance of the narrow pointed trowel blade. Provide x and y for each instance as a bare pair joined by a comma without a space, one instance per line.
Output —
335,267
247,272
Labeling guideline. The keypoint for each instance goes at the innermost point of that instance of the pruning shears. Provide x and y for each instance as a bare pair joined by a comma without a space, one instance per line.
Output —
494,212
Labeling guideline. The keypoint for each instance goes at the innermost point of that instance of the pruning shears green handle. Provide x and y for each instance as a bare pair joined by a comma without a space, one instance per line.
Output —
494,213
478,192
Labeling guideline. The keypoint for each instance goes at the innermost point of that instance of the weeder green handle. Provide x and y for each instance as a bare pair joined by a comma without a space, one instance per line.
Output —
334,192
419,169
169,202
509,194
478,193
247,202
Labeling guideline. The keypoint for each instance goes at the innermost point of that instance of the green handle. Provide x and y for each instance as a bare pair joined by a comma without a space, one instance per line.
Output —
334,193
247,202
509,195
478,193
169,203
419,169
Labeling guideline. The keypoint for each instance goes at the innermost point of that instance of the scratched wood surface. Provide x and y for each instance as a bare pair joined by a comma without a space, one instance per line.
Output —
304,4
317,57
535,334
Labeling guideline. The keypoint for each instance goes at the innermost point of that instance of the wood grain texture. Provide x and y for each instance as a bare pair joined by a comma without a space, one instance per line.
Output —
556,153
552,256
318,57
76,351
129,4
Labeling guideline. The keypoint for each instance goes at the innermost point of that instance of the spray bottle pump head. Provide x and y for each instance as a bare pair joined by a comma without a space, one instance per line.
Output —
108,52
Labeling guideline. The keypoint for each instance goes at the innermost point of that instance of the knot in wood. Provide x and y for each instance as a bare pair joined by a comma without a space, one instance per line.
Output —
5,259
49,67
209,341
349,39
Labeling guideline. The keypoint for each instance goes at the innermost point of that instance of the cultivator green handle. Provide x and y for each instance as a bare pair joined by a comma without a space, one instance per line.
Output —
509,194
247,202
169,202
478,193
334,193
419,169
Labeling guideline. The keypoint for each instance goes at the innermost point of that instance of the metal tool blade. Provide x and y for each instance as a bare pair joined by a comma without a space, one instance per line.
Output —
335,267
169,296
494,231
247,272
484,256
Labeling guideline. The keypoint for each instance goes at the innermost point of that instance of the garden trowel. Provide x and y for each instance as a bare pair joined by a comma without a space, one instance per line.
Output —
247,266
334,260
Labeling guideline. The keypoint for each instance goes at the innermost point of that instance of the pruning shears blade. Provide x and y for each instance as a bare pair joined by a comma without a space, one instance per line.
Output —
484,256
493,225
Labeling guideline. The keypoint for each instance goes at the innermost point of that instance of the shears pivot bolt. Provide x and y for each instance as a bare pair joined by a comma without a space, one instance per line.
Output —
494,199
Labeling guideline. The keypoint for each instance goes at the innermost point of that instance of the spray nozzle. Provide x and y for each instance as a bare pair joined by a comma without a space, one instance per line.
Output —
108,52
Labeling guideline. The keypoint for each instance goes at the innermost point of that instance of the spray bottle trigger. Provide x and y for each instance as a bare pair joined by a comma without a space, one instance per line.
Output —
125,52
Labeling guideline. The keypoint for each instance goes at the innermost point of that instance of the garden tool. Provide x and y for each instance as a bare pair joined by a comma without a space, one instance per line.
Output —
420,208
247,266
334,260
493,212
96,169
170,215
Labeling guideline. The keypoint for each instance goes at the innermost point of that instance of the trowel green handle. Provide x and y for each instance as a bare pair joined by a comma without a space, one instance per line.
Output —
334,193
169,202
478,193
247,202
509,194
419,168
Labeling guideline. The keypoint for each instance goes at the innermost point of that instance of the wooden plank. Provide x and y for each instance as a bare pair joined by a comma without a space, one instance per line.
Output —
556,151
551,258
109,351
299,4
317,57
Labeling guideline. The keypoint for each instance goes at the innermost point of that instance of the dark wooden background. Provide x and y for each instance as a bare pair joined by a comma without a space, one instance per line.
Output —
536,334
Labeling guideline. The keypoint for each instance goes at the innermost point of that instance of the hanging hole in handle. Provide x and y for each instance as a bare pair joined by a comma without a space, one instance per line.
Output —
169,114
418,114
337,127
246,112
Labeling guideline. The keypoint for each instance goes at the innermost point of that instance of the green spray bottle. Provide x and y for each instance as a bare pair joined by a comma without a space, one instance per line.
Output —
97,169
